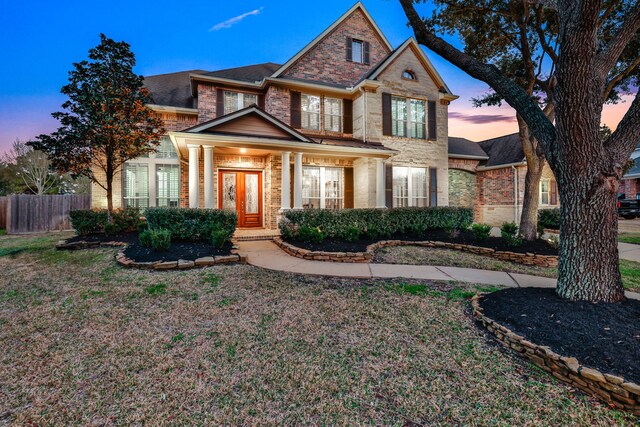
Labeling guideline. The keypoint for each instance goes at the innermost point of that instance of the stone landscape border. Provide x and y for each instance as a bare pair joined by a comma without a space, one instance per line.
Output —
124,261
613,390
366,256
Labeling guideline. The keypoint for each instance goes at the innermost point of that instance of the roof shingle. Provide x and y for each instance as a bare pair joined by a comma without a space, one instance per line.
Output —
173,89
465,147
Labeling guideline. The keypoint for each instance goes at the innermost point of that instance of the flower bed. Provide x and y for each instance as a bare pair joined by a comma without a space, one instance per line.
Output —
367,254
615,390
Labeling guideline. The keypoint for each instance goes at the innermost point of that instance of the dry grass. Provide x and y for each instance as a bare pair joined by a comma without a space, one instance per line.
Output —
86,342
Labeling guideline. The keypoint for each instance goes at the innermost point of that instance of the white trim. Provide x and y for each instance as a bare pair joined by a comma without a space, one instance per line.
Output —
506,165
244,112
327,31
170,109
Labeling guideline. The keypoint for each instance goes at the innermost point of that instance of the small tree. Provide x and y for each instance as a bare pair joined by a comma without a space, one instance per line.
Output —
106,121
32,168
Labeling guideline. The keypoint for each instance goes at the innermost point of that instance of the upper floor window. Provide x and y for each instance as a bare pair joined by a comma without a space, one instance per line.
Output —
234,101
408,118
357,51
310,112
333,114
409,75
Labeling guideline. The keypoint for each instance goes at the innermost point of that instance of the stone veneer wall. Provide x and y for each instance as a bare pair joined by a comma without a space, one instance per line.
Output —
463,190
611,389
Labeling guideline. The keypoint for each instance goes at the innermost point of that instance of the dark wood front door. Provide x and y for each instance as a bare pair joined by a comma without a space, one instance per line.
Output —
242,191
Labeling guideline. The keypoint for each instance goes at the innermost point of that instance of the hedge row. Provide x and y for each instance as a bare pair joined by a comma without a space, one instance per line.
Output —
95,221
193,224
549,218
375,222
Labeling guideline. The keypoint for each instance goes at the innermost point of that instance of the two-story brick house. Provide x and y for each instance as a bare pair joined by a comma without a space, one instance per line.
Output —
348,122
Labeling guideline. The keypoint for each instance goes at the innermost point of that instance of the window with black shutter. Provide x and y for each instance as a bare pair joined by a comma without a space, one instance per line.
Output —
432,120
365,53
219,103
386,114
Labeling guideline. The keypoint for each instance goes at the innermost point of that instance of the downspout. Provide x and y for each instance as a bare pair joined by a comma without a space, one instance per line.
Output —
364,118
515,195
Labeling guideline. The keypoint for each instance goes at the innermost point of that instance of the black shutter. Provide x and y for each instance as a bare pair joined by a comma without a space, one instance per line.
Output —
261,101
366,52
219,103
347,116
296,119
432,120
433,187
349,54
554,192
348,188
386,114
388,185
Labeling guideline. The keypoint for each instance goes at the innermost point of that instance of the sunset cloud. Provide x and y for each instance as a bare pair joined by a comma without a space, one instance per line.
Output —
236,19
481,119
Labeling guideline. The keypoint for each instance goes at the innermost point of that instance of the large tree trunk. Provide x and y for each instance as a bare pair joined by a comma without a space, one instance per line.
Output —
530,201
109,179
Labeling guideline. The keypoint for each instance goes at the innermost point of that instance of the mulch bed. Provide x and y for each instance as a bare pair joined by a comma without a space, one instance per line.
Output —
603,336
540,247
189,251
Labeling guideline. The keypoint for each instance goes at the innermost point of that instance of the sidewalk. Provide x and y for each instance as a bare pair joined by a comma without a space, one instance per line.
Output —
629,252
265,254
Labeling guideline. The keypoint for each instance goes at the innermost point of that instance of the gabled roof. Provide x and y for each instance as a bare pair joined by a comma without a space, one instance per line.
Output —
503,150
327,31
250,73
463,148
172,89
412,44
210,125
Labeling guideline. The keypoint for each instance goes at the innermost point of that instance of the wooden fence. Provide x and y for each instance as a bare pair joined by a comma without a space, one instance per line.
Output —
26,213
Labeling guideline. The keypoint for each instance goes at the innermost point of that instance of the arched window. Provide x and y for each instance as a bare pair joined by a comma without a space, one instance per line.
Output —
409,75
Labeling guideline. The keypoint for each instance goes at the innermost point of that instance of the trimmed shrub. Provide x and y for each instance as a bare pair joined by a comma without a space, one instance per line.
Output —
110,228
192,224
311,234
94,221
220,237
481,232
549,218
509,231
145,238
351,234
376,223
161,239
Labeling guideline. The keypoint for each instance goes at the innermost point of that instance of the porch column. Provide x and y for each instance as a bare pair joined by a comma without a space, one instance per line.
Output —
194,176
285,187
380,195
297,180
209,200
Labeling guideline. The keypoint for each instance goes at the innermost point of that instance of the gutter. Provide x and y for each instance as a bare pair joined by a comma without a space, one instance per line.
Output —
467,156
506,165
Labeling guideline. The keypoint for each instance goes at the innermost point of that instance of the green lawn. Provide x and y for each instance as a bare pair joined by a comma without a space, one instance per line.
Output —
85,341
633,238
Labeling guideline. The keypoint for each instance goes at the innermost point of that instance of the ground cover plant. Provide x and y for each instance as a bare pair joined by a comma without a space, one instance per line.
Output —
87,342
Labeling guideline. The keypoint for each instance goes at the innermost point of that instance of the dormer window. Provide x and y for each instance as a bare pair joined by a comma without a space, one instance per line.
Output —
357,51
409,75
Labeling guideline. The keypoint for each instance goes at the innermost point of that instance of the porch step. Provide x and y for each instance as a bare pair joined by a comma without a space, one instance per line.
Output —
252,235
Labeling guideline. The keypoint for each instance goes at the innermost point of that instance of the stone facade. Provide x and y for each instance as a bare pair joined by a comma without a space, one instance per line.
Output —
326,61
463,188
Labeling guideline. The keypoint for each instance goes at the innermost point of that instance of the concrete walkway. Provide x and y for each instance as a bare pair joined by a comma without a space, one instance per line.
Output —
629,252
267,254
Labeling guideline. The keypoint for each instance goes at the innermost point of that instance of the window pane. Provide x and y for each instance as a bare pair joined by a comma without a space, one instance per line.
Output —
230,102
166,150
398,116
419,187
333,114
333,188
168,185
544,191
248,99
136,185
229,191
356,51
311,112
311,188
400,187
417,124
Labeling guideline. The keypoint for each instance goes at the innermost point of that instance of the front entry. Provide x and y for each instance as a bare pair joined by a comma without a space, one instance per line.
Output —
242,191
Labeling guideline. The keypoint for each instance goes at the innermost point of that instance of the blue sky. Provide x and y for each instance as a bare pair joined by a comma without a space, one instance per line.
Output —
39,41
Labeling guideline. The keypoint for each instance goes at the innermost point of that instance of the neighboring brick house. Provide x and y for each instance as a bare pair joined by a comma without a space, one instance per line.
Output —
630,183
490,177
347,122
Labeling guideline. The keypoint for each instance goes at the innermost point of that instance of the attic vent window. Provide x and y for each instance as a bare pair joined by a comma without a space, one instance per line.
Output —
409,75
357,51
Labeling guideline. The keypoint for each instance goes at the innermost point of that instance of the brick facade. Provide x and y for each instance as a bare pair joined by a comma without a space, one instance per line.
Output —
207,97
630,188
326,61
277,102
176,122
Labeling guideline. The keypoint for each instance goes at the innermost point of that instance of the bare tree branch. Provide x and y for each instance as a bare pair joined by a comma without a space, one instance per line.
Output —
616,79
